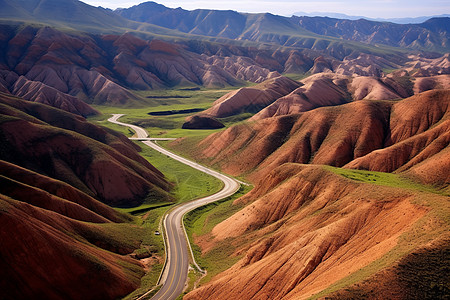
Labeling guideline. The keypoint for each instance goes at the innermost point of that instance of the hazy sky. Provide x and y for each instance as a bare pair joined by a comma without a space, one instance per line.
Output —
370,8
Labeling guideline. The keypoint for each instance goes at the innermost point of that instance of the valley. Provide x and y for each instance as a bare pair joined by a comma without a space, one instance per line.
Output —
152,152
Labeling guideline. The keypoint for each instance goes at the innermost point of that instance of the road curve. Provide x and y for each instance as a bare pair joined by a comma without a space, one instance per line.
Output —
177,261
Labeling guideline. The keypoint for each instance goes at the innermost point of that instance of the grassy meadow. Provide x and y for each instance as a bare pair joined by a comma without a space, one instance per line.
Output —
188,183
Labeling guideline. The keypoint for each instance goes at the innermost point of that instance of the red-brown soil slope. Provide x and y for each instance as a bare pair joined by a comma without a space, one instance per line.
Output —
39,92
104,68
305,228
58,240
419,130
422,84
252,99
91,165
329,89
316,91
45,255
45,192
423,274
376,135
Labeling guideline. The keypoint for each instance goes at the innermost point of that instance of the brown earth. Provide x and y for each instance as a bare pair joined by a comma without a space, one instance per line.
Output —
59,241
87,160
305,228
330,89
375,135
39,92
420,275
42,191
47,255
316,91
202,121
325,89
252,99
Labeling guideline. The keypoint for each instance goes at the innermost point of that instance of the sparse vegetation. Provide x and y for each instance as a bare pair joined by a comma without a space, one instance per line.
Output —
386,179
201,221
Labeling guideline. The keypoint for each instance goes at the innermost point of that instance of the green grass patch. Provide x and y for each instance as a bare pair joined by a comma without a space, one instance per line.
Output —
189,183
150,221
295,76
161,100
433,225
233,120
144,208
385,179
201,221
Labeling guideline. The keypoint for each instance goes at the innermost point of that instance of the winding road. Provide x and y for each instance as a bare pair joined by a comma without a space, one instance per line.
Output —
178,249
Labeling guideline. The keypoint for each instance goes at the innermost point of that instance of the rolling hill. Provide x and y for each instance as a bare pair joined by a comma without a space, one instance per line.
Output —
61,145
388,136
341,231
58,176
311,231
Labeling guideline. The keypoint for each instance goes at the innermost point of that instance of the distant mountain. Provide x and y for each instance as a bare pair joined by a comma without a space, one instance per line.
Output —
218,23
433,34
60,11
74,15
303,32
412,20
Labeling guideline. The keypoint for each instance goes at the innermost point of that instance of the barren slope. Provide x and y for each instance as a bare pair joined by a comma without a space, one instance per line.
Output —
47,255
306,227
252,99
87,161
59,241
376,135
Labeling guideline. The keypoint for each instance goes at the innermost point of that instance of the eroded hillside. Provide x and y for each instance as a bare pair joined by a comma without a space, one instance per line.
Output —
58,173
306,228
389,136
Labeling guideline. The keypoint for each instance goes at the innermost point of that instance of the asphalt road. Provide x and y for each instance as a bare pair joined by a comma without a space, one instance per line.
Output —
178,254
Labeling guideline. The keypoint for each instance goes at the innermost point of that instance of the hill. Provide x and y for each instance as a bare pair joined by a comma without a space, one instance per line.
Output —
307,230
282,96
58,172
60,145
50,66
387,136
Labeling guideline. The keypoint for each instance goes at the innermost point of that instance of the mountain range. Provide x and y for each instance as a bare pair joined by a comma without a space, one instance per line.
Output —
405,20
294,31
